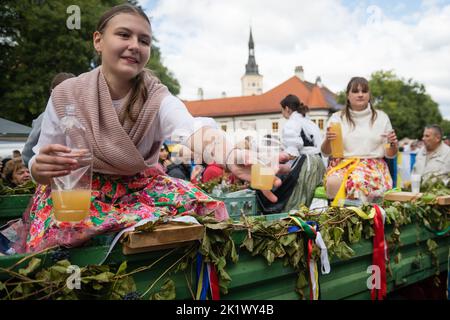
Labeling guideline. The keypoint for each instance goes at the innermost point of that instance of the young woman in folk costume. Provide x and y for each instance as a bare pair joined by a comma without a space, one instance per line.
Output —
302,139
128,114
362,172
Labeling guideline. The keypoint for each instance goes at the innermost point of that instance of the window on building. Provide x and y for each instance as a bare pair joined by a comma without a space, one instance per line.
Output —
247,125
321,124
254,84
274,126
224,127
314,120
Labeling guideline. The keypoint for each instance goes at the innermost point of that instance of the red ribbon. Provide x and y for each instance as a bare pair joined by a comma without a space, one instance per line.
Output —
214,282
310,247
379,255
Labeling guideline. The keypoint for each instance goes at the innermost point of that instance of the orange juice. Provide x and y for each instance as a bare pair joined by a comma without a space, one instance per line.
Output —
262,177
71,205
337,145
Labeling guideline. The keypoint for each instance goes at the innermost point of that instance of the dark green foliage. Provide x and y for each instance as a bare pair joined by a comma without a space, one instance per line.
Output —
36,44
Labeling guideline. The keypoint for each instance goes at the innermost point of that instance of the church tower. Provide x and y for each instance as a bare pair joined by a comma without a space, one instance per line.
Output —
252,81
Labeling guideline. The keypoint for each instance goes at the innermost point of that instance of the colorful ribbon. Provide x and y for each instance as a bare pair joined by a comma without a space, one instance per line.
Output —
352,164
206,280
309,231
362,214
324,262
214,282
202,279
379,255
311,234
313,274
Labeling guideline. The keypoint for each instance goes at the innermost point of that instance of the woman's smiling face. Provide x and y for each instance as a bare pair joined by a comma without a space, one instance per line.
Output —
124,45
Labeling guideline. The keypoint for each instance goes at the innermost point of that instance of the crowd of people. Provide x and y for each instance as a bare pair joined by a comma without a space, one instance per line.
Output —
128,115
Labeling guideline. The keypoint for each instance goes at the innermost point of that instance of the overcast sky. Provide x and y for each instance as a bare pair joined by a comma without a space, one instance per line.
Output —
205,42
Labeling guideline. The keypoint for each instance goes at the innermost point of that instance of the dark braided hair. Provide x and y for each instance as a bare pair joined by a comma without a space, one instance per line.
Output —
293,102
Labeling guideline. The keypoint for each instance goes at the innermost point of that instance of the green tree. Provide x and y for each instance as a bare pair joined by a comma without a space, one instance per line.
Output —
155,64
408,105
445,125
35,44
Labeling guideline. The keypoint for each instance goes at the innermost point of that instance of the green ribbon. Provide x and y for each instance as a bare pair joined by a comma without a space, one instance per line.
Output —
310,232
437,232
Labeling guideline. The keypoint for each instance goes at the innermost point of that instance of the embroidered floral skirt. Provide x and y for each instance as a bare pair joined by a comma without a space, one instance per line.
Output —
117,203
371,177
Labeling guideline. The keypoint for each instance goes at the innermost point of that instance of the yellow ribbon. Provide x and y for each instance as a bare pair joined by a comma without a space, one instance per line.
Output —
399,160
352,163
200,282
362,214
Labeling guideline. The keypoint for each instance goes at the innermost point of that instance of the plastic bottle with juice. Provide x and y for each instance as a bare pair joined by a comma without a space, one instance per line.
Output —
71,194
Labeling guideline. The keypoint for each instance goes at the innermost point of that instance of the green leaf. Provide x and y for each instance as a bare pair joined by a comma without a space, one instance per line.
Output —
288,239
432,245
398,258
428,198
167,291
269,255
217,226
122,269
123,286
357,230
102,277
350,232
97,286
301,284
337,234
234,255
32,266
354,220
343,251
248,244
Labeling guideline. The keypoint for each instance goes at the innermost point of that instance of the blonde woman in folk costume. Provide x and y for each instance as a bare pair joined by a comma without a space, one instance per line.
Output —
128,114
368,137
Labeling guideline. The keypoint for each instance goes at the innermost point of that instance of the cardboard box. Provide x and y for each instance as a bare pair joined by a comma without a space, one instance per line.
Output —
164,236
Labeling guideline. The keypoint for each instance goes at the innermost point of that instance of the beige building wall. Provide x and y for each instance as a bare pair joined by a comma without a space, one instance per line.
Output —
252,85
271,123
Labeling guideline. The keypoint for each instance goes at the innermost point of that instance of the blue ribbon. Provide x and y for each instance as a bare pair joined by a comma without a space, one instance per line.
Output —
292,229
205,277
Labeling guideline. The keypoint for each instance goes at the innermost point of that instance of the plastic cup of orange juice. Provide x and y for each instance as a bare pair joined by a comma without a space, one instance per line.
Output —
266,165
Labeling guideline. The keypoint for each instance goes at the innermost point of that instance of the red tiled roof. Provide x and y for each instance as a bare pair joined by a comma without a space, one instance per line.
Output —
268,102
316,98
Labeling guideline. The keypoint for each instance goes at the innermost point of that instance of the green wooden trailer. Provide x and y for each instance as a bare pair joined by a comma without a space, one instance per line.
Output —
252,277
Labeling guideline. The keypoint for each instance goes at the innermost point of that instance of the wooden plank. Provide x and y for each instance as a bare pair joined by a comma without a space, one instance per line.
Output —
443,200
126,250
165,234
410,196
402,196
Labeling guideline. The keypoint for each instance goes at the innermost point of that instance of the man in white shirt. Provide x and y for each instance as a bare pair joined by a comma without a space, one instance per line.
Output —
434,158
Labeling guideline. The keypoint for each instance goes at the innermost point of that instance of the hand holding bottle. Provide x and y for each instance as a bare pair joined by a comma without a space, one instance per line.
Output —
51,162
330,135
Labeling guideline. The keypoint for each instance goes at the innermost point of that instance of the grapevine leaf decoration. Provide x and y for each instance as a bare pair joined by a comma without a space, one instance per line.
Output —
32,266
167,291
26,188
